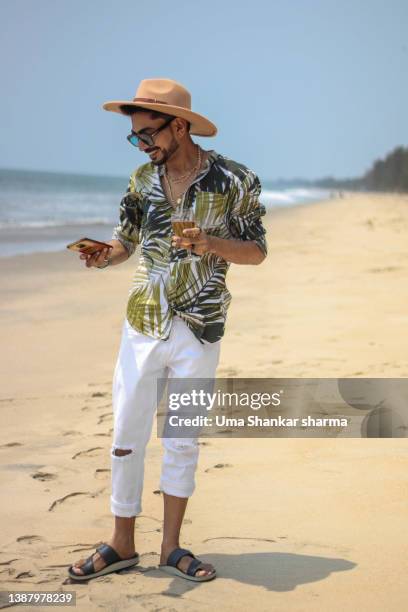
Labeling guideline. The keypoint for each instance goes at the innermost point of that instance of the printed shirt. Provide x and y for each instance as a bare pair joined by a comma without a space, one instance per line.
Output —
224,197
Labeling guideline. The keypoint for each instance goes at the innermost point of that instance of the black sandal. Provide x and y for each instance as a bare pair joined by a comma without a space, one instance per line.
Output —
113,564
171,566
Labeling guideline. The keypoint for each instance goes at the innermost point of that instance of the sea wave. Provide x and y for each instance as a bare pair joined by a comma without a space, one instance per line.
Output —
56,223
287,197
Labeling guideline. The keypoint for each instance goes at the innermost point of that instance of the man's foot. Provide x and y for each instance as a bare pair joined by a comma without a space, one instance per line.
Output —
125,552
205,569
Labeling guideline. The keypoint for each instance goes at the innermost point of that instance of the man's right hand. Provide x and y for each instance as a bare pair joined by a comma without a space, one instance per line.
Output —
116,255
96,259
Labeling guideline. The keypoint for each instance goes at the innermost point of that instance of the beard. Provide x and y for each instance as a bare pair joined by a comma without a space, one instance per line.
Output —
164,154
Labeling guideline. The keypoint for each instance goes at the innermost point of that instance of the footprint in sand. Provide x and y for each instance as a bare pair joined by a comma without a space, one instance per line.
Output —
90,452
9,444
24,575
101,473
104,433
218,466
104,417
61,500
73,547
30,539
9,561
43,476
99,394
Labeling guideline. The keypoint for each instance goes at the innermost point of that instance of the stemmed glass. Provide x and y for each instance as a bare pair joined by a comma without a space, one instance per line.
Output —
180,220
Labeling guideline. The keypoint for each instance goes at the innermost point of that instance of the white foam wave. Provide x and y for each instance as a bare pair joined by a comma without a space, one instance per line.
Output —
56,223
287,197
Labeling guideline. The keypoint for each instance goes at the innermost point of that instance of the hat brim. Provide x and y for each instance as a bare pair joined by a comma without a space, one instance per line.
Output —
200,126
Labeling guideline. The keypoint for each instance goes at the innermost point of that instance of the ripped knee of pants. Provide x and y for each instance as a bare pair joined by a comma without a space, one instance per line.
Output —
120,452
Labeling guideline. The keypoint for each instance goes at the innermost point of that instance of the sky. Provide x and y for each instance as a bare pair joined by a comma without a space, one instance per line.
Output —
296,88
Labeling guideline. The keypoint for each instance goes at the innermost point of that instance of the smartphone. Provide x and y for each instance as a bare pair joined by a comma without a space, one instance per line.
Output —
88,246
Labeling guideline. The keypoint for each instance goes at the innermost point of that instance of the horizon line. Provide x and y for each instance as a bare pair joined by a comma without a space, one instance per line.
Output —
125,177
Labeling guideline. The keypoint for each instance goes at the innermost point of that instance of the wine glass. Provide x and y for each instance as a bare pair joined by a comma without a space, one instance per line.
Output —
180,220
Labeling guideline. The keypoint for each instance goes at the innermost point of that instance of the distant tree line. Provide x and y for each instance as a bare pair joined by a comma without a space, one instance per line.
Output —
389,174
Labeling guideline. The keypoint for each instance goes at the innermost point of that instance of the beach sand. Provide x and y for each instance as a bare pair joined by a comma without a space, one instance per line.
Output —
290,524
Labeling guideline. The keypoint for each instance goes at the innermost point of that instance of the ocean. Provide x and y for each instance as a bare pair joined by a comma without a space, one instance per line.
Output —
44,211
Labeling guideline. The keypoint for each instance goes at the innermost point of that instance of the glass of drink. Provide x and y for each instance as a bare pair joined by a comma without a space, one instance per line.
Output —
180,220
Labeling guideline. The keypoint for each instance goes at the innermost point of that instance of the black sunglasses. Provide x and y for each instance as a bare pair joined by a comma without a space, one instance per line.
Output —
134,138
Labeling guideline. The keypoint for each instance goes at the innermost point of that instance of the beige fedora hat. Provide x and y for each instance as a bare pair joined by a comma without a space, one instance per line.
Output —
166,96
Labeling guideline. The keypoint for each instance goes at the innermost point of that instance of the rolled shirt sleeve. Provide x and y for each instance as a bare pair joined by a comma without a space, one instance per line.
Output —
130,218
246,211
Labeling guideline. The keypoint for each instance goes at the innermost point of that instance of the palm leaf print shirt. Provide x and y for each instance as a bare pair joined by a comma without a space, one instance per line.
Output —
224,198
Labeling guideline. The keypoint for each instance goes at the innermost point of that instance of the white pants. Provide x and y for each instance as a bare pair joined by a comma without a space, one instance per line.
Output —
140,362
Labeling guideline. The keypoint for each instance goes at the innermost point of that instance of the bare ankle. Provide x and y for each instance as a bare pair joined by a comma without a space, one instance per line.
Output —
124,541
170,544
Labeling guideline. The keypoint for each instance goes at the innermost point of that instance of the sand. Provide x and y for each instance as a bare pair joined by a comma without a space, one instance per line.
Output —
290,524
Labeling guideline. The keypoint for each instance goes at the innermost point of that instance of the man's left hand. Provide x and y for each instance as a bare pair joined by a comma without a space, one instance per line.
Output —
195,239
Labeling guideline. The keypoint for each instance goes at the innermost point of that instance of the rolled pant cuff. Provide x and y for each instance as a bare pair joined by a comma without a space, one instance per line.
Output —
172,489
125,510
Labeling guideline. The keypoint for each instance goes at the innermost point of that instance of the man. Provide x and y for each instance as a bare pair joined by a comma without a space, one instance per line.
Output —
177,308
